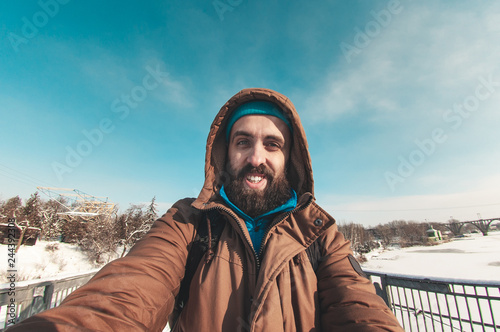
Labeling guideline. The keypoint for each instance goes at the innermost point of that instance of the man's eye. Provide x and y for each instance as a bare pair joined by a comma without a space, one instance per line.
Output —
242,142
273,145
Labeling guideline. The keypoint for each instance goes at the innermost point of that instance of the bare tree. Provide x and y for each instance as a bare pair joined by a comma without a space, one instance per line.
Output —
52,221
361,239
136,222
100,239
386,234
73,229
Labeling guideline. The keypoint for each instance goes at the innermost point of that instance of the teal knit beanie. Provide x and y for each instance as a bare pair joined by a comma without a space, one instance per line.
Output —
255,108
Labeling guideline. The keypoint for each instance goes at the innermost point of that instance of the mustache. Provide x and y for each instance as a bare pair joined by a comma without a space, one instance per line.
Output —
261,169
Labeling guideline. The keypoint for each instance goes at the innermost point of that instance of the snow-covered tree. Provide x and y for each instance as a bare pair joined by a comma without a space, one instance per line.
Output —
12,208
136,222
32,211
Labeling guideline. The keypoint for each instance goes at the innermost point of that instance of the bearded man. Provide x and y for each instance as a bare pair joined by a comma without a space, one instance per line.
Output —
260,274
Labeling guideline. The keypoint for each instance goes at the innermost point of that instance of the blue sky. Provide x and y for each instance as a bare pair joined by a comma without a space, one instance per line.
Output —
399,99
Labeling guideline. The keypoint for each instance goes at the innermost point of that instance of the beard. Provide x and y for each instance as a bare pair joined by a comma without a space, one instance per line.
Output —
257,202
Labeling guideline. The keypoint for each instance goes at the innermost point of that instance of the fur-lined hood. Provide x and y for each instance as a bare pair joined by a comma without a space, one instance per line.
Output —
299,167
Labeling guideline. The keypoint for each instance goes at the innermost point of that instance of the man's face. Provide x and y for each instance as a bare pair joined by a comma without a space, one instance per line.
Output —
258,152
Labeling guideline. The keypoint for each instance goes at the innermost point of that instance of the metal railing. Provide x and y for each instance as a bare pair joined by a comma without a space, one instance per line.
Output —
439,304
32,297
419,303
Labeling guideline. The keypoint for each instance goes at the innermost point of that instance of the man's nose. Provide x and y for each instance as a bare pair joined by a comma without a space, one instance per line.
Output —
257,156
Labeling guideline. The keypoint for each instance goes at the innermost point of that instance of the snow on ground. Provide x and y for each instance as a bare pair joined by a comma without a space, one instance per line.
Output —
475,257
46,259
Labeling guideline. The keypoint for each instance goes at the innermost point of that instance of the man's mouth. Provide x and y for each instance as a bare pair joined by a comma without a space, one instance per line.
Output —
256,181
255,178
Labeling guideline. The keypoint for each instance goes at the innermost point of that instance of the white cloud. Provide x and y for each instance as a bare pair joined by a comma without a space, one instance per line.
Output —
431,57
426,58
174,92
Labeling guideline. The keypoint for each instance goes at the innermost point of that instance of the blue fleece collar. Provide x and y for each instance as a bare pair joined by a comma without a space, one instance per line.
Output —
258,225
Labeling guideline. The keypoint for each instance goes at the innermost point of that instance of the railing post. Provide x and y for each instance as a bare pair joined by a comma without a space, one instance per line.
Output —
381,289
47,296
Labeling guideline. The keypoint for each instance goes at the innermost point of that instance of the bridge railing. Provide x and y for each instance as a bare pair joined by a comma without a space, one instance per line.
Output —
31,297
439,304
419,303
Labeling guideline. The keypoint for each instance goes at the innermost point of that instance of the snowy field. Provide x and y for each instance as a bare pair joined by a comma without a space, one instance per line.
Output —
45,260
475,257
454,307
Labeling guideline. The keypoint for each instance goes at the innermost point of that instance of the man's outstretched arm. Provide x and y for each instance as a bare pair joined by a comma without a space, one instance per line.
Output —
133,293
348,300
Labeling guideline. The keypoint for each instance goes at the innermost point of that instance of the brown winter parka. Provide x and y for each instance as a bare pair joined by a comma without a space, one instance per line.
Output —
233,288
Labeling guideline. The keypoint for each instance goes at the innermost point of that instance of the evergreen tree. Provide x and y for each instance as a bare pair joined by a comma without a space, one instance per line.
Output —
13,208
152,212
32,211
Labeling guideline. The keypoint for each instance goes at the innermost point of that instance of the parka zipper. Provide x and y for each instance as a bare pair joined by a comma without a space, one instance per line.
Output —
297,209
261,249
231,213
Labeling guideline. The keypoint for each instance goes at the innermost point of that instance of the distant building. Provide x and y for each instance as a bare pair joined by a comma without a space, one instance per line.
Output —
433,235
30,233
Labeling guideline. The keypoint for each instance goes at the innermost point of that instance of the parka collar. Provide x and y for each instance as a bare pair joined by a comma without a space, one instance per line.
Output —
299,167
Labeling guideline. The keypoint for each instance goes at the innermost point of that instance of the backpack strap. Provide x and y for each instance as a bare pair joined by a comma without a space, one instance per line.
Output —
207,236
314,254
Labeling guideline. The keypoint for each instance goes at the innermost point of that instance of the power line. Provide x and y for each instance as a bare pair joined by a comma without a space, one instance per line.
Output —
420,209
7,175
21,177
